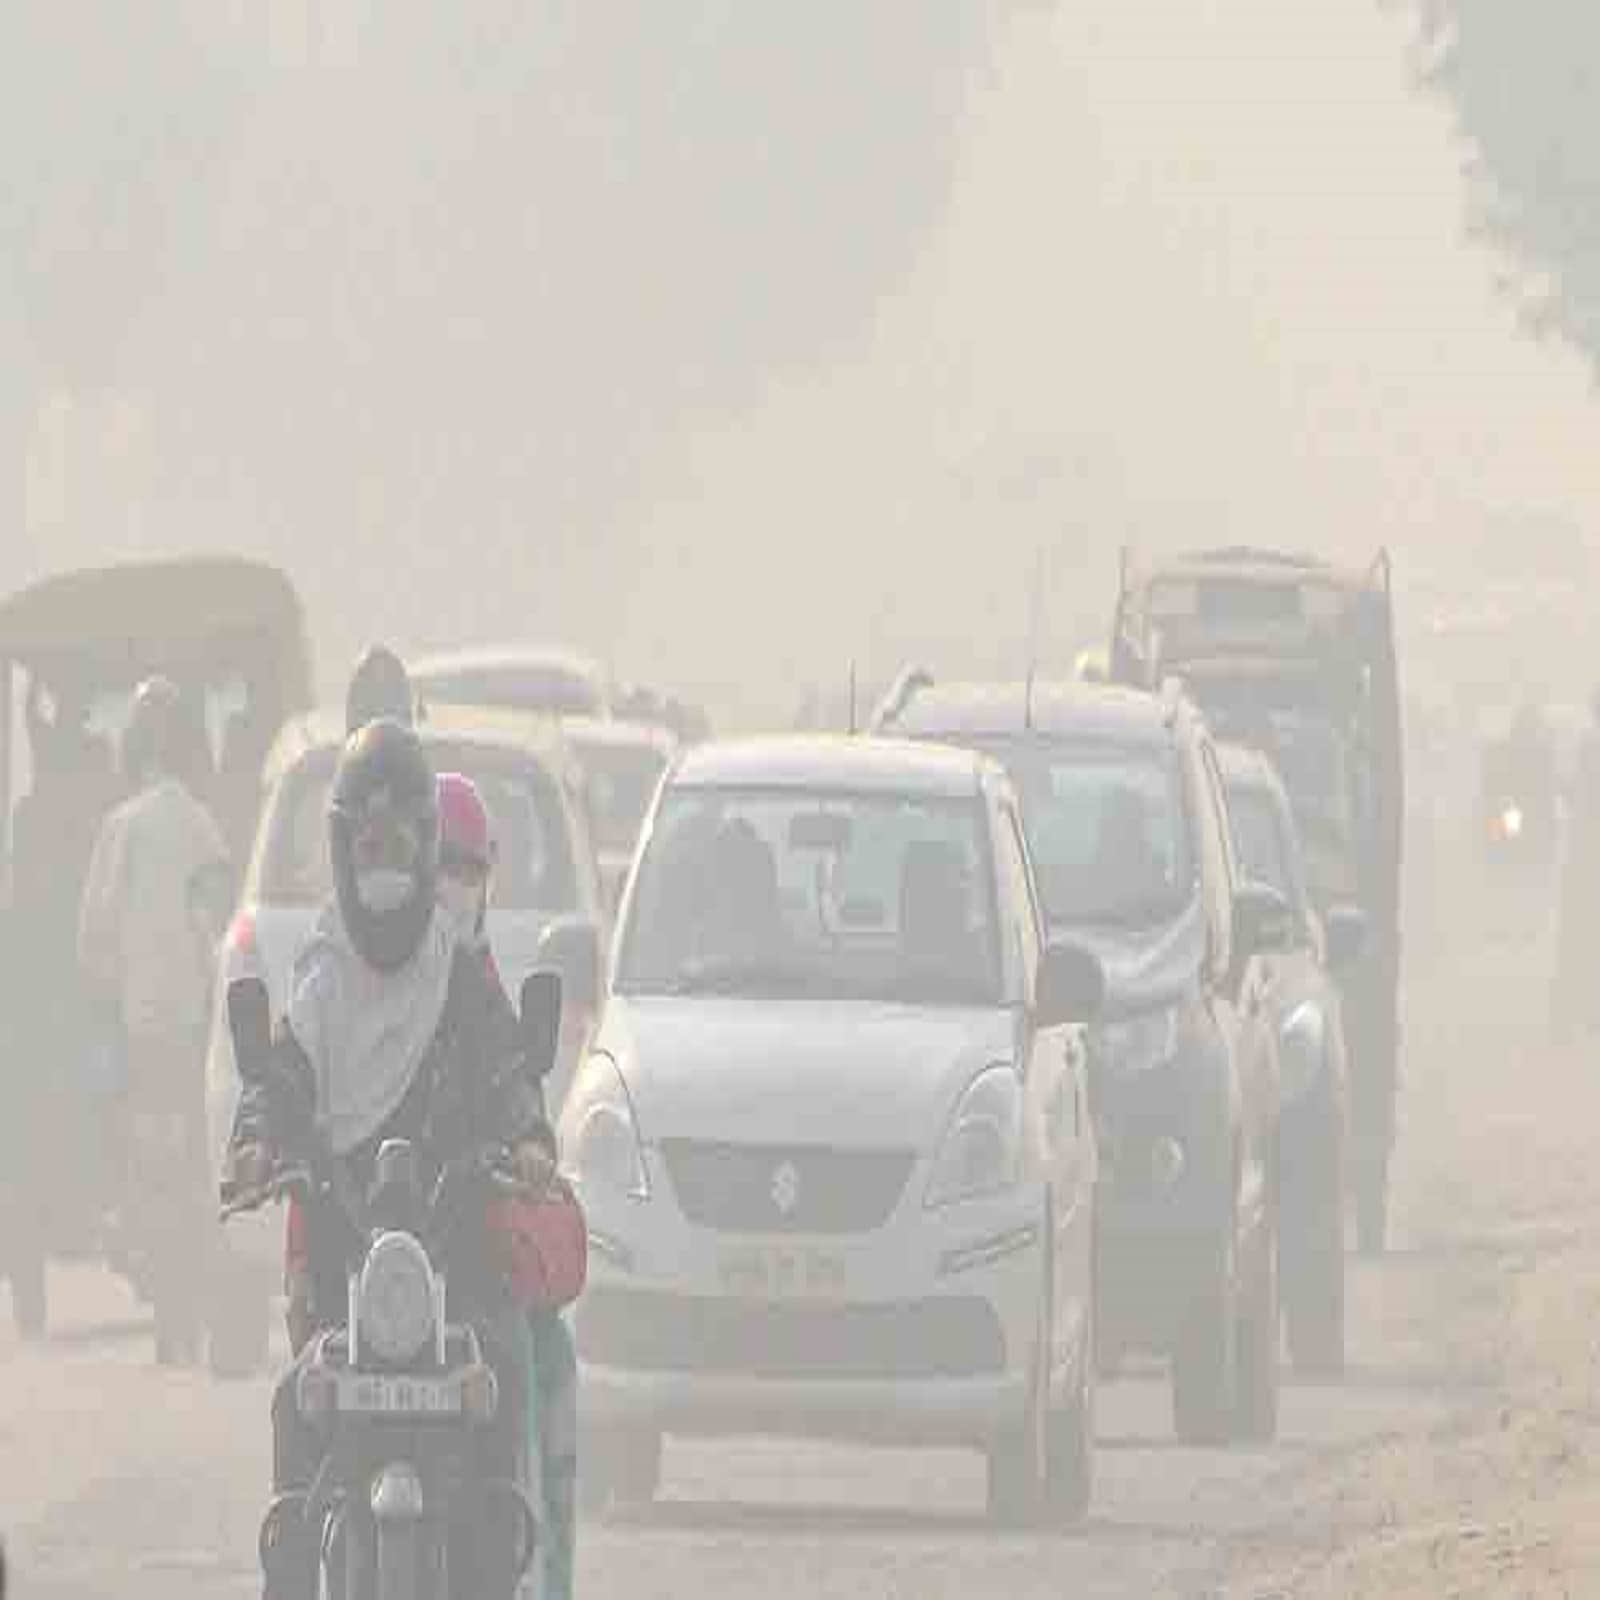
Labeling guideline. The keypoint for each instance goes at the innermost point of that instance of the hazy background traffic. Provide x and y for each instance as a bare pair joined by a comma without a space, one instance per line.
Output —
739,343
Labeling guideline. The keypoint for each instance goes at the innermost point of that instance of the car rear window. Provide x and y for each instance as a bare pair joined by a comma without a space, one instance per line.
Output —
534,867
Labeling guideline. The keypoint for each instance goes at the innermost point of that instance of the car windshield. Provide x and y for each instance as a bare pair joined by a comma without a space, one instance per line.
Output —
816,894
620,780
533,865
1106,828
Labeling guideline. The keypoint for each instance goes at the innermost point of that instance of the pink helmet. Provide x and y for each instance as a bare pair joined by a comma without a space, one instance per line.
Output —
464,835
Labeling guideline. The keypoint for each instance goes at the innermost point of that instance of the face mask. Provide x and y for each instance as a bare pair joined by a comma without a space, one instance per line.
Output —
384,889
459,903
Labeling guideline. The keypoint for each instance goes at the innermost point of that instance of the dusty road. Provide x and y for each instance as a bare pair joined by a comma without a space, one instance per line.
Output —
1452,1462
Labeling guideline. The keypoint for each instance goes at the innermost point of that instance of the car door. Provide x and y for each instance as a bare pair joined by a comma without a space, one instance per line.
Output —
1059,1130
1254,1038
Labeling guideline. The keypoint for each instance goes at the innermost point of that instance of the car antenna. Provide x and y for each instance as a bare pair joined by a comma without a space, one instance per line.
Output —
1035,614
852,697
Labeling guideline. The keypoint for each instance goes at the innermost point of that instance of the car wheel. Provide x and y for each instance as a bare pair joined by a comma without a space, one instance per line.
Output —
618,1468
29,1292
1204,1366
1372,1208
1018,1461
1315,1310
636,1471
1069,1469
1260,1340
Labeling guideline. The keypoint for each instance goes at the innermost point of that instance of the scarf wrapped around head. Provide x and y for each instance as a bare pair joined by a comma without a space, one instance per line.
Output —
365,1032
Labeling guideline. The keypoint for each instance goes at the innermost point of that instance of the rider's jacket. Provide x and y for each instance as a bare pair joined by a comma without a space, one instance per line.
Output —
469,1089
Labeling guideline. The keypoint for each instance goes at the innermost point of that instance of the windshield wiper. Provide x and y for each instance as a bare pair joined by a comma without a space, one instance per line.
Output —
741,977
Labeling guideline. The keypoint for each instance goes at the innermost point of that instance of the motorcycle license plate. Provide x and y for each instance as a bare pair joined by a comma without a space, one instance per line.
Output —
369,1394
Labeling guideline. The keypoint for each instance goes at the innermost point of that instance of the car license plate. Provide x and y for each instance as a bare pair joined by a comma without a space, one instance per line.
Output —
369,1394
783,1272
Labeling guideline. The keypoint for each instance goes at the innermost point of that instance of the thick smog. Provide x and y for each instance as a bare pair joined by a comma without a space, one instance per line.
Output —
797,800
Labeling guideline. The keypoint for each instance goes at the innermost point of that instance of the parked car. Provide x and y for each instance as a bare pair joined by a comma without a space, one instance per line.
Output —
73,648
1297,657
833,1139
1302,1001
622,763
528,678
546,908
1128,825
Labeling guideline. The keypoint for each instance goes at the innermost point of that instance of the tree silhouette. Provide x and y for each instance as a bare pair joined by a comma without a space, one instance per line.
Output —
1523,79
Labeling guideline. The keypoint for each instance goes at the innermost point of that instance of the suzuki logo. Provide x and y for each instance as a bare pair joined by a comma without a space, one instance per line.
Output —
786,1188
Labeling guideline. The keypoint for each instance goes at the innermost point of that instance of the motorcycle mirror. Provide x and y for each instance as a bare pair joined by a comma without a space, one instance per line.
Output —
250,1026
541,1020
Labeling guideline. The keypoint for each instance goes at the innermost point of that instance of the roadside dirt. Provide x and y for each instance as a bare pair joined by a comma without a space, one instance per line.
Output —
1493,1293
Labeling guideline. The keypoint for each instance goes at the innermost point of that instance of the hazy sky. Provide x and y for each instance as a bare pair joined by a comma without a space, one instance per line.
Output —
1204,275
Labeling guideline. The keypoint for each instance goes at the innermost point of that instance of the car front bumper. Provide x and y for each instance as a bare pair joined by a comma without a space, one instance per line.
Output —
919,1331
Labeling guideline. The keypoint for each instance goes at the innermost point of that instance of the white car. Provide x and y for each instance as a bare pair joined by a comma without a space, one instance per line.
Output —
545,872
833,1136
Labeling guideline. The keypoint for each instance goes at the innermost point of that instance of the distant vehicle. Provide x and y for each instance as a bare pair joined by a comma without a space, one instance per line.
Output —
514,678
546,908
1301,999
231,634
1297,658
833,1139
622,763
1128,826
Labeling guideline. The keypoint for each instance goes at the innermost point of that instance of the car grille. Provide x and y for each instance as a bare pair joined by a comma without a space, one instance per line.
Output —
647,1331
743,1188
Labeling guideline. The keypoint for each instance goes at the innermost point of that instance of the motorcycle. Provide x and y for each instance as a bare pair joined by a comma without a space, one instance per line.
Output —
399,1392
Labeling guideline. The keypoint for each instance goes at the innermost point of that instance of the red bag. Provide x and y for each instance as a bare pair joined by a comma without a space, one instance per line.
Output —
541,1247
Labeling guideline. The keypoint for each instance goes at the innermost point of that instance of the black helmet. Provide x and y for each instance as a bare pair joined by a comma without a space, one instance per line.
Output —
383,834
155,736
379,687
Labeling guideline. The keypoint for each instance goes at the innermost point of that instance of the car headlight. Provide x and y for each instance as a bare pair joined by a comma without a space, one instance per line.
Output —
600,1143
981,1152
1302,1050
1140,1043
394,1298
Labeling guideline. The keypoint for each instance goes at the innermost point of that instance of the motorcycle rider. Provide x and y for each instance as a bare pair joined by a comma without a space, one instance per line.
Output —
466,866
397,1031
379,687
147,927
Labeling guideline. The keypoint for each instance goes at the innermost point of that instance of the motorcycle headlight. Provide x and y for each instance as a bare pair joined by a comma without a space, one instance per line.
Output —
1138,1044
1302,1050
600,1136
394,1298
981,1152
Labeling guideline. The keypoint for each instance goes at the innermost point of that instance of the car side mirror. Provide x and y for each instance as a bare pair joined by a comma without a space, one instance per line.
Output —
1263,922
1071,986
540,1018
250,1028
1346,931
571,947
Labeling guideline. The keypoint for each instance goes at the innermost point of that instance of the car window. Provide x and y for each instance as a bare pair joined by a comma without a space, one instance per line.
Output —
818,893
534,868
1105,829
619,784
1258,839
